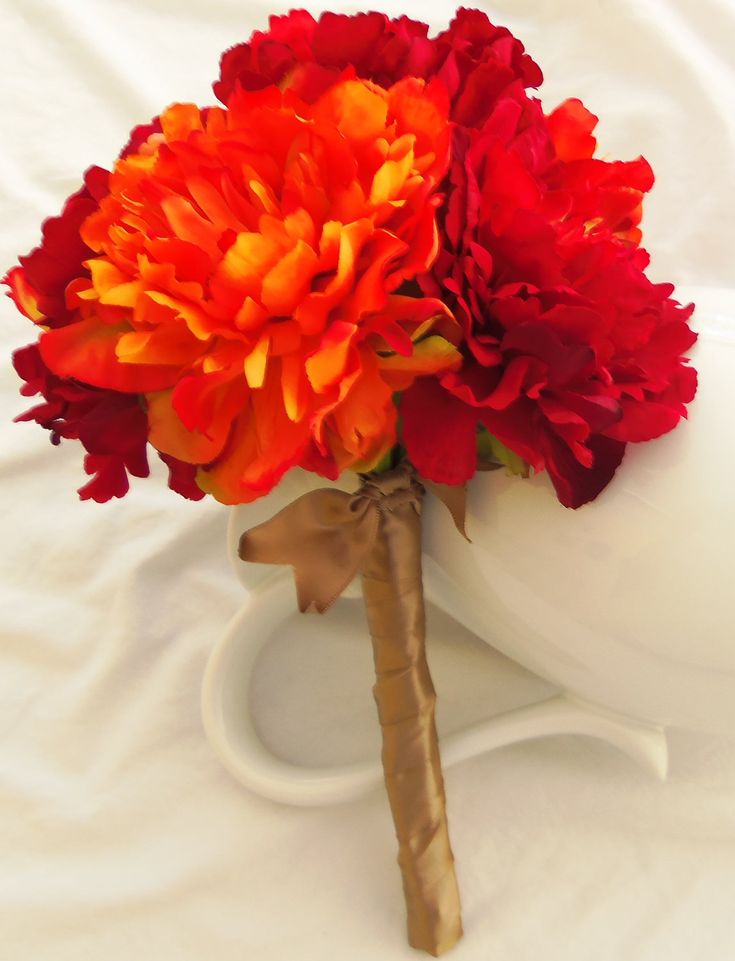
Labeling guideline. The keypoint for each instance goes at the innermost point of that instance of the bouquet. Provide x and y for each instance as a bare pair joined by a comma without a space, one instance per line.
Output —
380,255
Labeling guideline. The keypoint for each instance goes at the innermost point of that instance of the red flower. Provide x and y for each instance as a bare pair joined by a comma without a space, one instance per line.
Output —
308,55
477,62
473,58
112,426
570,351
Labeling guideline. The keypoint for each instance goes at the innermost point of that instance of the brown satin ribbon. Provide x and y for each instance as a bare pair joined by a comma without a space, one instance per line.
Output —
328,536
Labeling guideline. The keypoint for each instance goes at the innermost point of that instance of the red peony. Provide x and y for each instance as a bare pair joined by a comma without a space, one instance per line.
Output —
307,55
570,351
473,58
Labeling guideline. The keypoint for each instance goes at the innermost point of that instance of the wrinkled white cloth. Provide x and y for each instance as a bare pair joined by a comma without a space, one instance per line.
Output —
120,834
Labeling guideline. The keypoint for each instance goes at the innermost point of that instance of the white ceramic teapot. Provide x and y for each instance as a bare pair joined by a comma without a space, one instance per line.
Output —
623,605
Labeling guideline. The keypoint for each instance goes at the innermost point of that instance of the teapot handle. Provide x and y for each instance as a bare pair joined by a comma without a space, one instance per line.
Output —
229,725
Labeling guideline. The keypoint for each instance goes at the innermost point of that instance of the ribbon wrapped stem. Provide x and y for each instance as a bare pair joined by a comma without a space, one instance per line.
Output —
404,693
328,536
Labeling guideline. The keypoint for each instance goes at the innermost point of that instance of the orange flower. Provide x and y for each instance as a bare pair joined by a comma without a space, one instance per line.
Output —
252,277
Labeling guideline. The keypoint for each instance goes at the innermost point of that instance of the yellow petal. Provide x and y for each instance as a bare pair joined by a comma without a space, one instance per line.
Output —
256,363
430,356
293,386
390,179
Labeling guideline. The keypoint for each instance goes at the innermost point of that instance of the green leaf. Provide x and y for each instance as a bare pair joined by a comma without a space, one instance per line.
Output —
489,448
388,461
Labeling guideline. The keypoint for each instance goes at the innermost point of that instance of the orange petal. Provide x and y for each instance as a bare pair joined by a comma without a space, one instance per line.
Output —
286,284
262,192
105,274
243,267
356,108
300,226
424,247
188,225
370,294
190,263
167,344
365,420
213,204
86,351
123,295
253,462
327,366
207,402
250,316
24,296
163,277
195,318
312,313
168,434
422,109
285,338
178,121
329,243
79,292
348,202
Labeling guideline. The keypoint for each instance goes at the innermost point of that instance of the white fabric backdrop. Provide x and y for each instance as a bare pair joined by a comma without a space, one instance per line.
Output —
120,835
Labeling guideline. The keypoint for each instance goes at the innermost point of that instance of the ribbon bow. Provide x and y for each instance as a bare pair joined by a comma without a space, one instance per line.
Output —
327,535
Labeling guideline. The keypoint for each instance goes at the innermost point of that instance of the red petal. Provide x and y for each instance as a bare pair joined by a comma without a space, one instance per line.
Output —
571,126
574,484
340,40
439,433
643,420
110,480
182,478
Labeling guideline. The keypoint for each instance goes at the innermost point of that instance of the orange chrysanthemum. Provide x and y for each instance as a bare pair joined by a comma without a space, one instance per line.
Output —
252,278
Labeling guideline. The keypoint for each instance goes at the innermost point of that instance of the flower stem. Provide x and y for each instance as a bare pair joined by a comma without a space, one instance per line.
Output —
405,696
